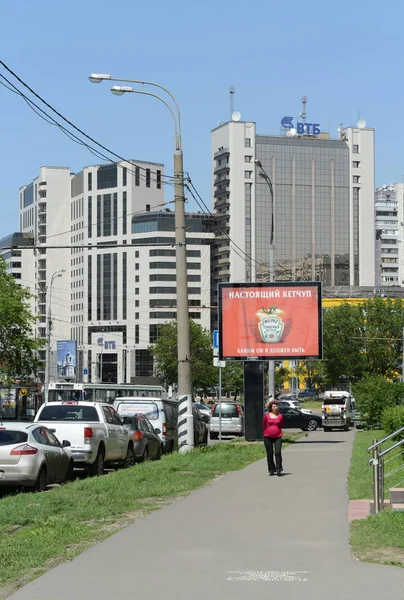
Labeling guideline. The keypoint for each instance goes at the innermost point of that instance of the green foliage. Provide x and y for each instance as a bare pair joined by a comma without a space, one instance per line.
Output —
17,345
393,420
363,339
233,378
282,374
374,394
203,373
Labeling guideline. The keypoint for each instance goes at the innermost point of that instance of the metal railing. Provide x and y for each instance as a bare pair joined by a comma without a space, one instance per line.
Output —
378,463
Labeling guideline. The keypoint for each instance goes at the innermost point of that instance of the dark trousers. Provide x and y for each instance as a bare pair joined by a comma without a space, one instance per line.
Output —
270,444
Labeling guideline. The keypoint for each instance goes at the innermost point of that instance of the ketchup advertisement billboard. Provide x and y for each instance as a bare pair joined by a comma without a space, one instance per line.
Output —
270,321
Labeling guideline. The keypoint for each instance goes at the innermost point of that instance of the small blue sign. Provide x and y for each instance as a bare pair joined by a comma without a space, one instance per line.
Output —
216,338
85,371
287,122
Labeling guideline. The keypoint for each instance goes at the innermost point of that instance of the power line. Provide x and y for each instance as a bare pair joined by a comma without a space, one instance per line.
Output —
67,120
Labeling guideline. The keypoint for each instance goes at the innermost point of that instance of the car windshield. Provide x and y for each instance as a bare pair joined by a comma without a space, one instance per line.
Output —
228,410
69,412
9,437
335,400
130,409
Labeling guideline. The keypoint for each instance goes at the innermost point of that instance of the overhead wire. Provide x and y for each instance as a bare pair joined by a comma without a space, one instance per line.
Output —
59,114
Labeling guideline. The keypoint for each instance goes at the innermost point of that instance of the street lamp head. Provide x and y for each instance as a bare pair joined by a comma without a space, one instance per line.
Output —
258,163
118,90
98,77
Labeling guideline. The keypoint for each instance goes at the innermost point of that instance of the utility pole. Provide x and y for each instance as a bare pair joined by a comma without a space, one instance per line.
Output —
49,333
185,419
271,268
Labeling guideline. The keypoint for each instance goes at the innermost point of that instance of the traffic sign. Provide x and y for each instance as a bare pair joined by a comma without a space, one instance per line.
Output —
218,363
215,342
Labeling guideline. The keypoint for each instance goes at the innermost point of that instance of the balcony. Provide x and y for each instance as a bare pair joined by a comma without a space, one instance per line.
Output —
222,203
221,168
41,193
221,152
221,191
222,180
42,209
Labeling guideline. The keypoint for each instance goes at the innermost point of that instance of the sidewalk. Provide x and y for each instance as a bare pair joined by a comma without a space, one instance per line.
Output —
246,535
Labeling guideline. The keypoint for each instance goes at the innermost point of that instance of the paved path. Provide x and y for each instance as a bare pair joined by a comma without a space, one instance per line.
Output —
245,536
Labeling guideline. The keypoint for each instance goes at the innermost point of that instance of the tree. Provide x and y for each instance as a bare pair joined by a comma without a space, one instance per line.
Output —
18,347
282,374
233,378
203,373
343,330
374,395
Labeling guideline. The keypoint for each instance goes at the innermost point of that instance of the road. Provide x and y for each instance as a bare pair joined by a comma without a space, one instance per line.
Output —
245,535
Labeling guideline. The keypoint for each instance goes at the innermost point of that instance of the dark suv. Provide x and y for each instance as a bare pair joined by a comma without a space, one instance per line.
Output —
308,394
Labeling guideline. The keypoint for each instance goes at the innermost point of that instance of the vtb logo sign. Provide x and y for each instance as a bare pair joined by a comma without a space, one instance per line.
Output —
301,128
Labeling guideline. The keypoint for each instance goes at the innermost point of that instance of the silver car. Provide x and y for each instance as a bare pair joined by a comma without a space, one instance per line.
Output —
232,419
32,456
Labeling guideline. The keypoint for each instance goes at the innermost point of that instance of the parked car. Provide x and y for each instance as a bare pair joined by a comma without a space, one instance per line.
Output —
293,418
31,456
203,409
146,441
162,413
294,404
201,431
308,394
232,419
95,431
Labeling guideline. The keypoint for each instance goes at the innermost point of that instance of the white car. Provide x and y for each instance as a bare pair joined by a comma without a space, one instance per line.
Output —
294,404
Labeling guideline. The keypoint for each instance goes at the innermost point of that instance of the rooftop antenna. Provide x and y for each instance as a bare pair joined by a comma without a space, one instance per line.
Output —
231,90
303,114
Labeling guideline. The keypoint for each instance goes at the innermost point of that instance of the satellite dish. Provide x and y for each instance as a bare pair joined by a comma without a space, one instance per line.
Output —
235,116
361,124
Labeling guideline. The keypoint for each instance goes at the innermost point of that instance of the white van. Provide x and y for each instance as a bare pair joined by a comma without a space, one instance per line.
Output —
162,414
337,410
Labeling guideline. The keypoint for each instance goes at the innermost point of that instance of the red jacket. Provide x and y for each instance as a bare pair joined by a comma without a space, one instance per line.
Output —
272,427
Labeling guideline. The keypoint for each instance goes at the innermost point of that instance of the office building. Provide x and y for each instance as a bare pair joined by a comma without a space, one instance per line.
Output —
323,198
107,233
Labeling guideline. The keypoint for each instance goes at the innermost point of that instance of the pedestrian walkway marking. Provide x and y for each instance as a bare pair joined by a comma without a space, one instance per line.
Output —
267,575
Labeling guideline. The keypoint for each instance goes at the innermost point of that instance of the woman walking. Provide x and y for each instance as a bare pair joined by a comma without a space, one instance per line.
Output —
273,438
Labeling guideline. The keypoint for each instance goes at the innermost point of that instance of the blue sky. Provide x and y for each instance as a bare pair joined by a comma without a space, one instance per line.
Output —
345,57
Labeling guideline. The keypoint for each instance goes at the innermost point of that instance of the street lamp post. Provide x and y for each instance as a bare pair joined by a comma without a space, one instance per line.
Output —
185,419
271,267
49,332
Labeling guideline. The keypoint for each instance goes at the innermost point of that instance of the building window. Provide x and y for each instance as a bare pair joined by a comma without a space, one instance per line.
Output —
115,223
107,214
115,286
136,303
137,334
144,363
90,215
98,216
136,291
194,315
107,176
124,213
153,333
147,177
247,142
356,164
136,316
98,288
137,176
136,278
136,266
248,174
158,179
356,179
89,288
355,149
248,159
124,286
90,181
163,315
136,253
124,176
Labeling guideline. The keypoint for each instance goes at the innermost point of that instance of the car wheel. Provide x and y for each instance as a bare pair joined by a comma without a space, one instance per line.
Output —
346,428
145,456
40,485
97,468
129,458
70,472
160,452
312,425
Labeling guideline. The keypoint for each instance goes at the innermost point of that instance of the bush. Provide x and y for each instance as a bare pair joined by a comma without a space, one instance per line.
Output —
393,419
373,395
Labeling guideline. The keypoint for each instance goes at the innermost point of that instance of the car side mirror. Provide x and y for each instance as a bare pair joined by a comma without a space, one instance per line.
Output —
66,444
157,430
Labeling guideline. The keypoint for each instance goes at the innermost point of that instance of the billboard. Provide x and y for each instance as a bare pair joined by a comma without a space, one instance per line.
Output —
270,321
67,359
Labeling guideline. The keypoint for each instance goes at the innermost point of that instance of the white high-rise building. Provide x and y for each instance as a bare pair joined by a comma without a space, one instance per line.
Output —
107,229
387,239
323,198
